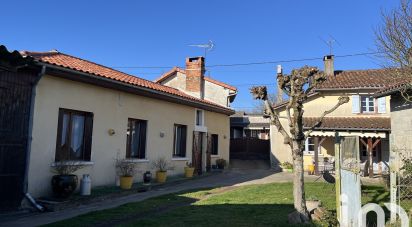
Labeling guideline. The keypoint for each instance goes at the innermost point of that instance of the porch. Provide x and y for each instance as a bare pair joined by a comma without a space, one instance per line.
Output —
373,152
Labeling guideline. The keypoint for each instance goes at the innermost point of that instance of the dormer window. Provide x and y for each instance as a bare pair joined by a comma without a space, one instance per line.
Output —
199,118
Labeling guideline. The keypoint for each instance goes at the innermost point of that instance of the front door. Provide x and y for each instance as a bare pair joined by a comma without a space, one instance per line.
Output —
197,151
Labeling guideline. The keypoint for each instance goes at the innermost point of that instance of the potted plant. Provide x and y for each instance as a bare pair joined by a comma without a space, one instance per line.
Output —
287,167
64,183
161,165
221,163
189,169
126,169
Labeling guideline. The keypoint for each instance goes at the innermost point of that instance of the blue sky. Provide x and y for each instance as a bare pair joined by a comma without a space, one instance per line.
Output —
157,33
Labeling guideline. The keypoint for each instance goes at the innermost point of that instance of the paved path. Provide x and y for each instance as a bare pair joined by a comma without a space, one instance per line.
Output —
234,177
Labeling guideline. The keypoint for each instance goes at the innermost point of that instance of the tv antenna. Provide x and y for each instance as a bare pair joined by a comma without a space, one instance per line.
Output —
330,43
207,46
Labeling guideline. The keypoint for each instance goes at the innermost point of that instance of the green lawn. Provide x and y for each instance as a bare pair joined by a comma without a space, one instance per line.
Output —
254,205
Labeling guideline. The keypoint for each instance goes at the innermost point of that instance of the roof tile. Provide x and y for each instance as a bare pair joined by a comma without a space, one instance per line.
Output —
365,123
78,64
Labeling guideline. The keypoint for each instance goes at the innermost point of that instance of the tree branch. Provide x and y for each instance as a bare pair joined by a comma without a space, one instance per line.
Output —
342,100
261,93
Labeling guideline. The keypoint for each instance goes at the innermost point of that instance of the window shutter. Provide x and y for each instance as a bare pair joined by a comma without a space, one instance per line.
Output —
142,140
183,141
382,105
355,104
88,134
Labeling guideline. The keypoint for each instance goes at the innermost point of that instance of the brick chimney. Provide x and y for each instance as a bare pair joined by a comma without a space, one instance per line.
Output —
329,67
195,71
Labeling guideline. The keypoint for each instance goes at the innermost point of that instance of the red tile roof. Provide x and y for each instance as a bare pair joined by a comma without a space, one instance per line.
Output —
81,65
358,79
350,123
177,69
395,87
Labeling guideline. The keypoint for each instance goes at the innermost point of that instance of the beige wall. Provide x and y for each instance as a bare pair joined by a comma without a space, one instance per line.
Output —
212,92
401,127
111,110
314,107
216,93
317,104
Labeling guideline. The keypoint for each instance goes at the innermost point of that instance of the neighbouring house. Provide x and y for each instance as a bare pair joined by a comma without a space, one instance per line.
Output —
57,107
364,116
249,136
245,125
401,120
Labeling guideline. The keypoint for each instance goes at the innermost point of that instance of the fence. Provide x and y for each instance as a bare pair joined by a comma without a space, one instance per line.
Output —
249,148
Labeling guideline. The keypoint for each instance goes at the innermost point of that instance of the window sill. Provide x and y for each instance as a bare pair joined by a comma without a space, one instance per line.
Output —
311,154
134,160
180,159
200,128
215,156
74,163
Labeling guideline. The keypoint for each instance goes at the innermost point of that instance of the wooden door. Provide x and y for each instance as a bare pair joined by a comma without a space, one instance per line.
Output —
209,153
197,152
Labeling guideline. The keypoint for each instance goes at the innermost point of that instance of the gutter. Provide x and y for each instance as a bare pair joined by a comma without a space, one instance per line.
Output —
30,129
349,129
348,89
179,100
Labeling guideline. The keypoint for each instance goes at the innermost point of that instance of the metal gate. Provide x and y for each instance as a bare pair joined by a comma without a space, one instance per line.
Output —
15,100
348,178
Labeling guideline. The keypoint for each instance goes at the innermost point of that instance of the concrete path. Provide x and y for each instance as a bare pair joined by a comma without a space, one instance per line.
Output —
233,177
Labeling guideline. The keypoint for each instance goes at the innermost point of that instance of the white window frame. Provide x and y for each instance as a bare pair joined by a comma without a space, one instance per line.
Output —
367,101
307,144
202,118
202,127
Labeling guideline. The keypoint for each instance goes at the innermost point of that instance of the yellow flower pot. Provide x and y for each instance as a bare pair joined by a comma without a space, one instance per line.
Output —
311,169
126,182
189,172
161,176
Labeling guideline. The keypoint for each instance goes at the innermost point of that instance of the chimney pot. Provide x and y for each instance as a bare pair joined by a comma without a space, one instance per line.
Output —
329,65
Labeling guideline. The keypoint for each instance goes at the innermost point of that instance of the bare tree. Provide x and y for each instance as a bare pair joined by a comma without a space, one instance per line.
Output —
260,105
394,43
297,86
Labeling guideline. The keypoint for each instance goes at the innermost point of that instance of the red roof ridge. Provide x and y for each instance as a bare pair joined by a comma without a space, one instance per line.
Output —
165,75
178,69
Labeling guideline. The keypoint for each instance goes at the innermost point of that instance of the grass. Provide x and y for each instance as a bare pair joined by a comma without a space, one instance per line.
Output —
253,205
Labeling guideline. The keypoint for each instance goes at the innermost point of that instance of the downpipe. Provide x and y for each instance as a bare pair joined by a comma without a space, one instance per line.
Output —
34,203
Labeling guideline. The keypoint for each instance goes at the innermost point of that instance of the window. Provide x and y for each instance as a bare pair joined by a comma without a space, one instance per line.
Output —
179,147
74,135
215,144
310,145
252,133
136,139
199,117
367,104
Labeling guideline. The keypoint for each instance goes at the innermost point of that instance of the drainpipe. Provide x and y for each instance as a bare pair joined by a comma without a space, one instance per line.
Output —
29,138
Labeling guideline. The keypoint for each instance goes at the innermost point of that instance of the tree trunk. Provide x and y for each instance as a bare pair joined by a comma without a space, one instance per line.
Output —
298,182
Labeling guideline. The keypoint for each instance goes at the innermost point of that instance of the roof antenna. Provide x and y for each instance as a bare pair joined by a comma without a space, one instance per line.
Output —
330,43
207,46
